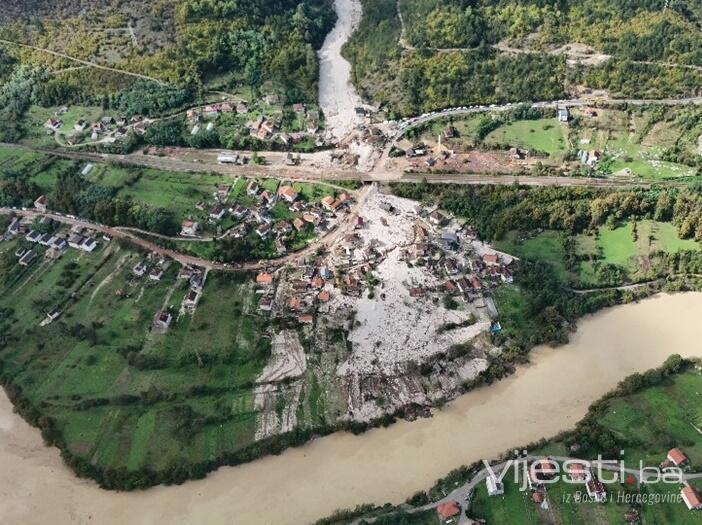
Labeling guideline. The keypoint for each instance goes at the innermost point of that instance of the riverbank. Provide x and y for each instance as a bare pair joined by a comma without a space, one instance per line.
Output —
333,472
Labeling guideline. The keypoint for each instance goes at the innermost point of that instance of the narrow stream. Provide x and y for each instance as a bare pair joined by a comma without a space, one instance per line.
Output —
342,470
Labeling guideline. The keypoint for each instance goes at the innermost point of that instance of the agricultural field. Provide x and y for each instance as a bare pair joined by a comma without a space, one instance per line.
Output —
545,136
122,393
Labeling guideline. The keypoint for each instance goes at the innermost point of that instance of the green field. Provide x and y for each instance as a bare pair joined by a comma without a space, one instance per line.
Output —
546,136
186,396
618,247
546,247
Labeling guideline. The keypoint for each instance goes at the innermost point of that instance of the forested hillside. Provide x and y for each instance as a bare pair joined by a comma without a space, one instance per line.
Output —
423,54
188,43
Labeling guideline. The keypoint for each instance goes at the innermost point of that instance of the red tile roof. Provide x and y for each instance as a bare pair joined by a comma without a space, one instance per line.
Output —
677,456
448,510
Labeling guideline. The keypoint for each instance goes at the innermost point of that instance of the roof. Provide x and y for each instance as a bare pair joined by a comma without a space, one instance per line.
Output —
448,510
264,278
692,497
288,192
324,296
677,456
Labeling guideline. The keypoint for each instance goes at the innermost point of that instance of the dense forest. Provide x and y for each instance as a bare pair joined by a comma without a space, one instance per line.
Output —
459,52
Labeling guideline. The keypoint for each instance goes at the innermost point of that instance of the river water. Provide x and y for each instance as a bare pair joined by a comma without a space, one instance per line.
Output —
337,95
303,484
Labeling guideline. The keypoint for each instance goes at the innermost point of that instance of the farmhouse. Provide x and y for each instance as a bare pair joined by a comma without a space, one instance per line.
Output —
448,510
677,457
40,203
164,320
264,278
494,487
288,193
596,490
691,498
190,228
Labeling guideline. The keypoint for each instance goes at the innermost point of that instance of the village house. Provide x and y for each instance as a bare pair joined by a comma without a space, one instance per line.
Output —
223,191
677,457
239,211
265,304
578,472
288,193
190,228
494,486
330,203
305,319
563,115
163,320
40,203
156,274
540,471
140,269
217,213
197,281
324,296
191,299
268,198
437,218
449,510
596,490
491,260
252,188
264,278
88,245
263,230
52,125
80,125
242,108
691,497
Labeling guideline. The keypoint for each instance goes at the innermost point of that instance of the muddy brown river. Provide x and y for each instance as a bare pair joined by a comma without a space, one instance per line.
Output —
342,470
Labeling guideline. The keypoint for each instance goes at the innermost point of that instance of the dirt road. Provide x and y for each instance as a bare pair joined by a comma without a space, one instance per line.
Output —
344,227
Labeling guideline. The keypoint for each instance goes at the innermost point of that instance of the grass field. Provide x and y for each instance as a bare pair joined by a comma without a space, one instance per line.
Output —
617,246
546,247
544,135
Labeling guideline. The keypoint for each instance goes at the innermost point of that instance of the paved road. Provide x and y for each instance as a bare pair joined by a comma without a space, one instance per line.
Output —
569,103
344,227
461,494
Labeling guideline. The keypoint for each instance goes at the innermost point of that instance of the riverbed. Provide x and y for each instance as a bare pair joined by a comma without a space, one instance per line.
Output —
303,484
337,96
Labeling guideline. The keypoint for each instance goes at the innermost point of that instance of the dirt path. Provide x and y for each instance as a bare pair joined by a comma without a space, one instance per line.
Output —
344,226
111,275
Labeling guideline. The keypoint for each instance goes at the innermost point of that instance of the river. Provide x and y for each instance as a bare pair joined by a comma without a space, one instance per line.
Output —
337,96
303,484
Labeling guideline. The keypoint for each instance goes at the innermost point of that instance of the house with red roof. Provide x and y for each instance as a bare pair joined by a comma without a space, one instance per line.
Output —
448,510
691,498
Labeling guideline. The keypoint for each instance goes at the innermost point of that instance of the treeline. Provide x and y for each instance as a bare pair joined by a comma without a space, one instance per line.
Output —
495,210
